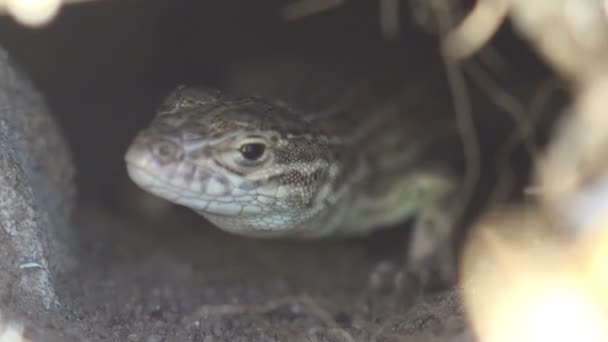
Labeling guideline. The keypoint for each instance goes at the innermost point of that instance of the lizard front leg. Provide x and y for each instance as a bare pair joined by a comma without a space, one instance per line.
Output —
431,256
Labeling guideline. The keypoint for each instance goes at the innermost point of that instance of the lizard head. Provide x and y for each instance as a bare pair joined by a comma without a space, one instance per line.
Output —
249,166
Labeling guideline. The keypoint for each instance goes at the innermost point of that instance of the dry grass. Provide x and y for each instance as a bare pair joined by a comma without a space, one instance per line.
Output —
558,239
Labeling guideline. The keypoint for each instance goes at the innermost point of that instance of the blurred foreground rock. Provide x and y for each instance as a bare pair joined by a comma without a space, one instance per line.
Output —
36,196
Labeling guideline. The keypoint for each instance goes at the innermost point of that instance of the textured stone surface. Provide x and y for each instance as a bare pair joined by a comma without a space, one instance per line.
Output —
36,194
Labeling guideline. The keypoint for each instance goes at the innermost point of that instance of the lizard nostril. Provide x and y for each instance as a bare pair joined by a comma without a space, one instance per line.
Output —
167,151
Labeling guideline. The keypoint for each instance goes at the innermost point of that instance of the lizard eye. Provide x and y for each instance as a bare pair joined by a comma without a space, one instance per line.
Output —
252,151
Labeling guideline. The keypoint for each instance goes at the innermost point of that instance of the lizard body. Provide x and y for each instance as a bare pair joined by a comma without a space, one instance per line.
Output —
298,150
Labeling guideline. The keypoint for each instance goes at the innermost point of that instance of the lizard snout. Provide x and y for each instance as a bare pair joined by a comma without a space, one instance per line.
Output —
148,154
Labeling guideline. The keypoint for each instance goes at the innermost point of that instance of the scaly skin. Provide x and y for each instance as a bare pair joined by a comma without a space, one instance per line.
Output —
282,165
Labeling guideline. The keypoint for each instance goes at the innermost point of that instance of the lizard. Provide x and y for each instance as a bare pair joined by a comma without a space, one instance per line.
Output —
283,148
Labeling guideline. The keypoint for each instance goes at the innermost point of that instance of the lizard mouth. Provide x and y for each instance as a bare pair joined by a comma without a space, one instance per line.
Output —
221,206
160,168
188,185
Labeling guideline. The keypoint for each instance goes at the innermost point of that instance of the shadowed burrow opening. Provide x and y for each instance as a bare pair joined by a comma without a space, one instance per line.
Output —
147,267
